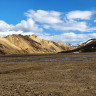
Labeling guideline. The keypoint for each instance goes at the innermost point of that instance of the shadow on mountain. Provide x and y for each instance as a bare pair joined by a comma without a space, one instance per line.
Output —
89,46
29,44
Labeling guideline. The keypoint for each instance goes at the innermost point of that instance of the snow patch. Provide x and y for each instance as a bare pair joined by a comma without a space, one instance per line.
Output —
89,41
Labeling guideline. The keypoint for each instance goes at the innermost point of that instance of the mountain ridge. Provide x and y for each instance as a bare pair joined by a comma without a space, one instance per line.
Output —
88,46
28,44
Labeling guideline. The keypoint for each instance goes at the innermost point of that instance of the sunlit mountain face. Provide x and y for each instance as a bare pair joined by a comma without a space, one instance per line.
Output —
28,44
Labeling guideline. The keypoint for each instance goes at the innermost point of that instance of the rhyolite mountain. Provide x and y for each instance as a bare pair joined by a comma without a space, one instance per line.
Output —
88,46
28,44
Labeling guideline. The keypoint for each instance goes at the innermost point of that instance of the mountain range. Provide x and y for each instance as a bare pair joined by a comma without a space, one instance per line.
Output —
88,46
28,44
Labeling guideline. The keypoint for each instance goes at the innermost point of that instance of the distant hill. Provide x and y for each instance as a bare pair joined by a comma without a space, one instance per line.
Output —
19,44
88,46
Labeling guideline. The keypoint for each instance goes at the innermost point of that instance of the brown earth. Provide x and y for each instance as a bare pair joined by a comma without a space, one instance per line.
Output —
19,44
32,75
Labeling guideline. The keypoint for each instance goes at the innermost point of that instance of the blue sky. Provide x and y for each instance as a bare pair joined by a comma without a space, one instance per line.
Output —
69,21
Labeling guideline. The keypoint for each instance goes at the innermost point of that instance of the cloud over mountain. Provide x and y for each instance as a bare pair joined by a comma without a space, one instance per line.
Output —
27,26
66,25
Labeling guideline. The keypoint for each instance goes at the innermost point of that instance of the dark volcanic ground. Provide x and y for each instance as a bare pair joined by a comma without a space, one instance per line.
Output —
46,75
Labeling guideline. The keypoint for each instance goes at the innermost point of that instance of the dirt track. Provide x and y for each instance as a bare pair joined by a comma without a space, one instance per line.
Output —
28,76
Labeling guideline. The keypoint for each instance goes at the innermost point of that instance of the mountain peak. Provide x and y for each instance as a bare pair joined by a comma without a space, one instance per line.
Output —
19,44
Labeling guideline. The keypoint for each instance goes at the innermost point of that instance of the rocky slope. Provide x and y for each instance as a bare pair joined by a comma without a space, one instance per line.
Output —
19,44
88,46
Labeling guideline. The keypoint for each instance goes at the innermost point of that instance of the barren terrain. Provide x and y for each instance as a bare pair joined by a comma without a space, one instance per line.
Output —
48,75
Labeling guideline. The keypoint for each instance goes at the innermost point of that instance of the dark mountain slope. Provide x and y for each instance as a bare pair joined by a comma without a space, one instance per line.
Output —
89,46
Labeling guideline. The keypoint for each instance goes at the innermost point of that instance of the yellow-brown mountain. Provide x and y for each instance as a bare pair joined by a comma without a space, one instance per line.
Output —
19,44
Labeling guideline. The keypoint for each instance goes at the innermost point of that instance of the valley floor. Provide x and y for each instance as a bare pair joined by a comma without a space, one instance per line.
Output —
43,75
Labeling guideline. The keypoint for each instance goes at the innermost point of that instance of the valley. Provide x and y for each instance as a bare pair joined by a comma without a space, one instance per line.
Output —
32,75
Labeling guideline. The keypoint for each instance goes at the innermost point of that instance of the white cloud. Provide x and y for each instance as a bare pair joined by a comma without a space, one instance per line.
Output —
84,15
70,37
72,26
15,32
27,26
24,27
53,19
91,29
94,20
46,26
4,26
49,17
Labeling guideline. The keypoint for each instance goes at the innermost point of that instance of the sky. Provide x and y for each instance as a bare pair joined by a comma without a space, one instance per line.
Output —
68,21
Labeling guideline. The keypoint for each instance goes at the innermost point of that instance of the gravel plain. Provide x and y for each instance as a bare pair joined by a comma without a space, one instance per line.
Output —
46,75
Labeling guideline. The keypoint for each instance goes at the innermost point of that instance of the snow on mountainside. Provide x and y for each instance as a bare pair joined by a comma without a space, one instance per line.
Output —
89,41
88,46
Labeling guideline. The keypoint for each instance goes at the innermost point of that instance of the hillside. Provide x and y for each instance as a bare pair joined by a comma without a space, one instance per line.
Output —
19,44
88,46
